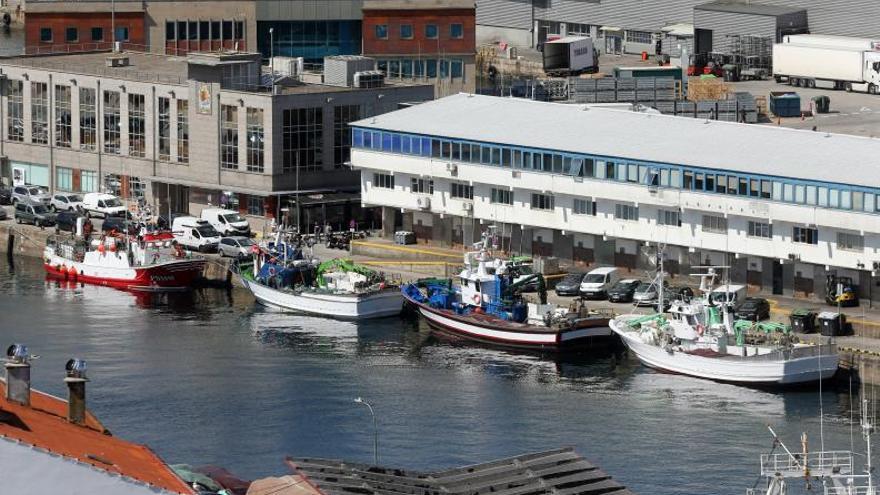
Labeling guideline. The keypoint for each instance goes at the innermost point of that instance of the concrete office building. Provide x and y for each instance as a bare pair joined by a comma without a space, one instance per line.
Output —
185,132
634,26
593,186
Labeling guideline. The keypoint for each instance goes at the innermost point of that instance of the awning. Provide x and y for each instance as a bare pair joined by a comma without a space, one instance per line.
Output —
682,30
610,28
240,190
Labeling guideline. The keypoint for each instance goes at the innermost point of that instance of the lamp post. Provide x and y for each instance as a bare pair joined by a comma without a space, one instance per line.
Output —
272,53
360,400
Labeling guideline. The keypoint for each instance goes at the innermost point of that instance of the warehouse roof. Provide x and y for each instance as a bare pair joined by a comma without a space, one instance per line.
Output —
748,8
742,148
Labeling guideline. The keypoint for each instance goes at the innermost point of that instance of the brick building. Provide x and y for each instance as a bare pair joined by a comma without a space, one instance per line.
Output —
82,26
431,40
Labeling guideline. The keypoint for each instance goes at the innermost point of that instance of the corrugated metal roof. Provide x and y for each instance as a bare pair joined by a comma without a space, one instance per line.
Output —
748,8
544,473
743,148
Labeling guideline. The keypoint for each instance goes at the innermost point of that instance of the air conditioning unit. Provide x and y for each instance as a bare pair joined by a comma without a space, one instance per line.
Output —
424,203
117,61
467,207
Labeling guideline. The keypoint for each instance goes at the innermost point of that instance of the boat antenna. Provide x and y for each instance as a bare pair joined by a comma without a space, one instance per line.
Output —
821,405
852,410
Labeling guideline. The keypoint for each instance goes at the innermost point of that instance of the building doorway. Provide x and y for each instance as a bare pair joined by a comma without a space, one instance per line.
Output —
777,277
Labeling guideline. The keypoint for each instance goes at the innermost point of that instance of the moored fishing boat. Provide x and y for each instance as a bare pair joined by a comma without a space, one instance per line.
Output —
488,308
151,263
281,277
699,338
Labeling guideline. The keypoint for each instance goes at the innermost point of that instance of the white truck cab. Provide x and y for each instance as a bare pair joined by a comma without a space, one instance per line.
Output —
728,293
227,222
194,233
102,204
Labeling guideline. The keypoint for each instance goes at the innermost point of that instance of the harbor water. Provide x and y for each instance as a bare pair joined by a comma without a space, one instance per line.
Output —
209,377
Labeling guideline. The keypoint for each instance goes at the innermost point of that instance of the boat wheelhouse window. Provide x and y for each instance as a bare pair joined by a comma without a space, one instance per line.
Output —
699,182
464,282
766,189
477,285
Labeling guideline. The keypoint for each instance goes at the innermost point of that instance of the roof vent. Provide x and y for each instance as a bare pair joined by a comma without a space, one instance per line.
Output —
18,374
117,61
76,388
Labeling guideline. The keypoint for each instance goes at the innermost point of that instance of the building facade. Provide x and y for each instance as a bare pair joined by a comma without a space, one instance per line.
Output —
53,27
634,26
432,41
559,180
180,133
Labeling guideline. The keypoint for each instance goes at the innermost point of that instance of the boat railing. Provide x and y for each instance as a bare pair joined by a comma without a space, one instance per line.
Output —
852,488
790,353
826,463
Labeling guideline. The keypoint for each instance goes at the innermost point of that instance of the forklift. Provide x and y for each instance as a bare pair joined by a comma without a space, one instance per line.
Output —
847,296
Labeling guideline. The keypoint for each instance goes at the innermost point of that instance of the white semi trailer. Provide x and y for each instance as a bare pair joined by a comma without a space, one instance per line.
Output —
570,56
834,62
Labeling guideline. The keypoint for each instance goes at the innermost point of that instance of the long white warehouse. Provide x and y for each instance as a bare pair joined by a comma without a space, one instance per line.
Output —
593,185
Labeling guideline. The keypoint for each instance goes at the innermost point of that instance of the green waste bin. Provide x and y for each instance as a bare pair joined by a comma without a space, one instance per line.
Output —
803,320
822,104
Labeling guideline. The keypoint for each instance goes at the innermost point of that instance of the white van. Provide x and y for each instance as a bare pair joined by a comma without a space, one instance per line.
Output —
729,293
227,222
597,283
193,233
102,204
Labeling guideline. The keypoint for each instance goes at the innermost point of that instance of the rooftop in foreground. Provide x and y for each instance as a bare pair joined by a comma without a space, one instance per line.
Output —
663,139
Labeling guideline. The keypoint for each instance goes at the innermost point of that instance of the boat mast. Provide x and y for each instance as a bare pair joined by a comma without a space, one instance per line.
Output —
660,274
867,429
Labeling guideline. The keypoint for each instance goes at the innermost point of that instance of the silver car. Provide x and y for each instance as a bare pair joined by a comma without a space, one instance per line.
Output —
646,294
235,247
30,194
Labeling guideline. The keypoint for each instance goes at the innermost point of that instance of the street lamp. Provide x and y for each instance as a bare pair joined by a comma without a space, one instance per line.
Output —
360,400
272,52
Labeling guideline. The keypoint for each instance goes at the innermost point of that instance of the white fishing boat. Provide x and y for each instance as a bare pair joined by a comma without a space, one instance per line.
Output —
282,277
699,338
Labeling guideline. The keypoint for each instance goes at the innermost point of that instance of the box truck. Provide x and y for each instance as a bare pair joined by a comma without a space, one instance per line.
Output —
571,55
834,62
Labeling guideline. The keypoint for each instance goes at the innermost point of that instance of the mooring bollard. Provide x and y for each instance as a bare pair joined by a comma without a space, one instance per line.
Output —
10,244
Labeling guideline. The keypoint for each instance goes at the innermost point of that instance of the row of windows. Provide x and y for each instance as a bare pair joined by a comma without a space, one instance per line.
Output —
71,34
383,180
653,175
432,31
430,68
203,30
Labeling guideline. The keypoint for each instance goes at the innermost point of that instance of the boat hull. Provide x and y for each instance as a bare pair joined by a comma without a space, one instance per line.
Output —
388,302
757,372
515,336
174,275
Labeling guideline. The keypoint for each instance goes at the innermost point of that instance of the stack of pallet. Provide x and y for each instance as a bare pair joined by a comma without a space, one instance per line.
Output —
707,88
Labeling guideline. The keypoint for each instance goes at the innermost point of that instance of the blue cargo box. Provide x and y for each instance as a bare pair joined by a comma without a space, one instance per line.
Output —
785,104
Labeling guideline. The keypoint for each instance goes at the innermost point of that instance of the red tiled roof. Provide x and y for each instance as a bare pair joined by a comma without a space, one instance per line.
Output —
44,425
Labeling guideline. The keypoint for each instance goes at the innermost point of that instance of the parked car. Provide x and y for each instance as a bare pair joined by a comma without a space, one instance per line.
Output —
598,282
66,202
119,224
102,205
227,222
30,194
753,309
570,285
5,195
34,213
235,247
647,294
623,290
66,221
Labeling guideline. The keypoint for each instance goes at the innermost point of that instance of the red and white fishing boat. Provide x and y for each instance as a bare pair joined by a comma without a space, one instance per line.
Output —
153,262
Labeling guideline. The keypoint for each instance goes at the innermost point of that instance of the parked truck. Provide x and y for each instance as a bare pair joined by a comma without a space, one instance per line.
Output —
571,55
834,62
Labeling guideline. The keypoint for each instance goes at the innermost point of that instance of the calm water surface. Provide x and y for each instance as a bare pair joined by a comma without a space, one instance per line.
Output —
211,377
